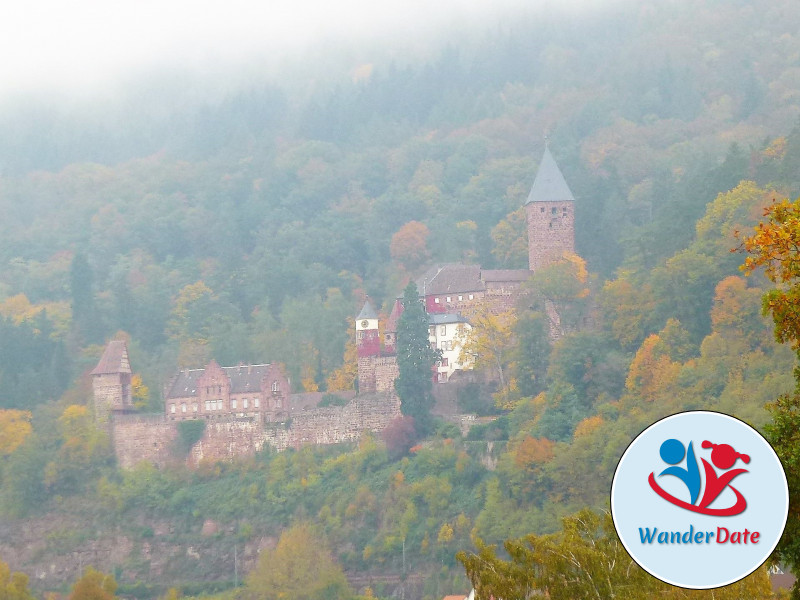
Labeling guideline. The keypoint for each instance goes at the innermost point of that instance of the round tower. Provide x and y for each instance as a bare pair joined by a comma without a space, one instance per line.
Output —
550,211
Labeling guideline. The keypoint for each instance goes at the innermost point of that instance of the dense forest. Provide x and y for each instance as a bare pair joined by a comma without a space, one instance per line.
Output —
249,227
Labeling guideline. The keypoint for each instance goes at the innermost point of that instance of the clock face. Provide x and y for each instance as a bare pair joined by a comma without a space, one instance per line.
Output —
364,323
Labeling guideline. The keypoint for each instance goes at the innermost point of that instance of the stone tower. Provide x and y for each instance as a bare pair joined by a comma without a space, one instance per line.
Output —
111,382
368,344
550,211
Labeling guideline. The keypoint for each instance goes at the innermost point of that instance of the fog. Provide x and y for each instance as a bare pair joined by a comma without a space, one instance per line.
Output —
91,47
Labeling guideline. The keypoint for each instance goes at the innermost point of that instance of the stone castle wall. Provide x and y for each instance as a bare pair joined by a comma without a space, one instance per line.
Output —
386,371
377,374
154,439
137,439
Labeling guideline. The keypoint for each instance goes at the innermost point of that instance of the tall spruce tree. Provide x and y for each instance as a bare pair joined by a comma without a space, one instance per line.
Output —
84,314
415,358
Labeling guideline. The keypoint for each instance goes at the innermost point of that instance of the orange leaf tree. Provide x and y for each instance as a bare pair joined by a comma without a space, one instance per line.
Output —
775,245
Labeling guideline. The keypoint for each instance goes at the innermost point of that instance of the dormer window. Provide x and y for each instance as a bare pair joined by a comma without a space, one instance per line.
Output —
275,387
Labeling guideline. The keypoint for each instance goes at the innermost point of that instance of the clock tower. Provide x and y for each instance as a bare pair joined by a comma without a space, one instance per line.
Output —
368,341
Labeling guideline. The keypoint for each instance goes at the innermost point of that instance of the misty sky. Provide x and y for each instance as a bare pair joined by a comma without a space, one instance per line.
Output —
83,45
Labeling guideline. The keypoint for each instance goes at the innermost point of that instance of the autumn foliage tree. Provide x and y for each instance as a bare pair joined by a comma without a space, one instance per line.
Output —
13,586
301,567
409,247
775,246
489,344
563,287
94,585
15,426
583,560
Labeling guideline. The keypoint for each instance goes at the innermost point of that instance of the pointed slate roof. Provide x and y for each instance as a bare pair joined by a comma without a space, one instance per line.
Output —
114,359
368,312
550,185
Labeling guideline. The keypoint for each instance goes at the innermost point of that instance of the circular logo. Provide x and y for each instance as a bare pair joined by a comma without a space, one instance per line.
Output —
699,499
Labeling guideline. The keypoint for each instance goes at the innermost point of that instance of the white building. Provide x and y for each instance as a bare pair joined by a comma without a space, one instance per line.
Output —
446,333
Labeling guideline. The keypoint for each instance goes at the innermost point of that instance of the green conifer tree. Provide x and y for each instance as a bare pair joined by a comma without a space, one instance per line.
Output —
415,358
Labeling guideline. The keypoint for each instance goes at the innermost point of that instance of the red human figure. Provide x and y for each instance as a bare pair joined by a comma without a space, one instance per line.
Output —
724,457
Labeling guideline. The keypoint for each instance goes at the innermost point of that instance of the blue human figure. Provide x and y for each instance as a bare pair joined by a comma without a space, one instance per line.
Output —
672,452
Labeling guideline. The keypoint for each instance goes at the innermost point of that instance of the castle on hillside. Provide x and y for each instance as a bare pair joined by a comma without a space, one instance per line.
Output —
245,408
449,291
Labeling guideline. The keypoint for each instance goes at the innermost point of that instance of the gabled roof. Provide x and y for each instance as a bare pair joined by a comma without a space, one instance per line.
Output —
449,279
114,359
549,185
445,318
394,316
368,312
503,275
245,378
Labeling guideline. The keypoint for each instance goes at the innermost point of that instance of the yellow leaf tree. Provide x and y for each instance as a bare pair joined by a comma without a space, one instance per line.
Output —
15,426
13,586
300,568
94,585
564,288
489,344
344,378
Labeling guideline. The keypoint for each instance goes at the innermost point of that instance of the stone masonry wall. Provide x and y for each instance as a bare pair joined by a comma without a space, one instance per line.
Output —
138,439
153,439
551,232
366,374
107,390
386,371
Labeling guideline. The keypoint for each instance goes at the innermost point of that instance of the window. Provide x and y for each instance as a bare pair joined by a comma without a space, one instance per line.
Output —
445,363
183,408
208,405
471,297
275,386
553,210
219,405
194,407
256,402
460,298
449,299
541,209
443,330
436,300
233,402
388,337
244,403
172,408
